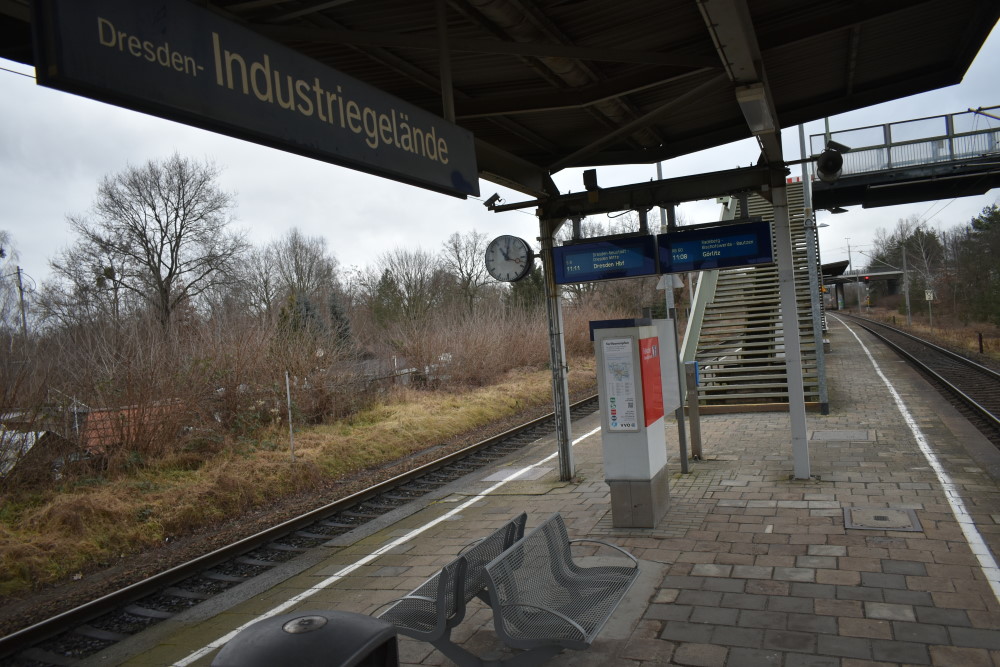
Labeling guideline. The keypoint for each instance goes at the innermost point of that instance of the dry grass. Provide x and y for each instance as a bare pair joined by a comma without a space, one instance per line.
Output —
960,337
46,536
415,419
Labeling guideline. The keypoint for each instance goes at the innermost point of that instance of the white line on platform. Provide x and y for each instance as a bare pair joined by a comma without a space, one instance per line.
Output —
976,542
332,579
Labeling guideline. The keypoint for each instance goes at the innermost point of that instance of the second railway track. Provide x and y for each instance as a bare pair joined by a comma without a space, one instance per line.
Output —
72,636
974,388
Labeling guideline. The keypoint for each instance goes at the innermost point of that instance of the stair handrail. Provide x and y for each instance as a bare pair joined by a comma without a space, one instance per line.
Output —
704,293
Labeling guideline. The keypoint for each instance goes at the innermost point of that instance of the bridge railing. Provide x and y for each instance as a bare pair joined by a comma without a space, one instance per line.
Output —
912,143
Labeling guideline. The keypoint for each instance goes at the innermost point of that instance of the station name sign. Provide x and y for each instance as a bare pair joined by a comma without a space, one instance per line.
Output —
715,247
178,61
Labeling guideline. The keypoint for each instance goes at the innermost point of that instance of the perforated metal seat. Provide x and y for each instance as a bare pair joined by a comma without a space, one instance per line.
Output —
479,554
432,609
542,598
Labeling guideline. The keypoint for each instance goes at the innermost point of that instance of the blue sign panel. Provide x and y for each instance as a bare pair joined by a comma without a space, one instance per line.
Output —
720,247
174,59
606,259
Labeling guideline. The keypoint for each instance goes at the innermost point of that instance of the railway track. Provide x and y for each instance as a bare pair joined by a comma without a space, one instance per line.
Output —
972,387
71,637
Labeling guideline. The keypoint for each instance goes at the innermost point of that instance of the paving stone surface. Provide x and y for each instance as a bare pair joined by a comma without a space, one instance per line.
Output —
753,567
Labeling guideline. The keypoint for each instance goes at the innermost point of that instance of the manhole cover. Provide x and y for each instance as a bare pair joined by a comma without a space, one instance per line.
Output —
881,518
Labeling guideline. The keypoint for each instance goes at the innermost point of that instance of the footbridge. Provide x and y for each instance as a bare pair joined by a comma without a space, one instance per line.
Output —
736,326
924,159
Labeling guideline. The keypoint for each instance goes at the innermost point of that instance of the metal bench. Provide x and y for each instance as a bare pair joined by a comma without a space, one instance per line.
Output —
430,611
544,602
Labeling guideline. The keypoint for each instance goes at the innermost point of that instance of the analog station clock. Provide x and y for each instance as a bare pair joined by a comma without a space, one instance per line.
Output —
509,258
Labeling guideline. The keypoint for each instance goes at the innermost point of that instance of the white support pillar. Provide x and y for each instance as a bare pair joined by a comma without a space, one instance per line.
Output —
790,332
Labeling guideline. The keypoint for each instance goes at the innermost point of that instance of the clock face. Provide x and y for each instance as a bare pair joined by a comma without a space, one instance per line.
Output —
509,258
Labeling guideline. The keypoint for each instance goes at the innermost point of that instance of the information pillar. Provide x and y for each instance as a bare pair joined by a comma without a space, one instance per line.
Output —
632,430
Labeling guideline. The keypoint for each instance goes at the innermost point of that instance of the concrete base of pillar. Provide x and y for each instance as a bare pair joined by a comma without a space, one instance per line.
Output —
639,503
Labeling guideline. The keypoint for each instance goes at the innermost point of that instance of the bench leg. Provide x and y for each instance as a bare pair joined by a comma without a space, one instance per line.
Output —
457,654
464,658
531,657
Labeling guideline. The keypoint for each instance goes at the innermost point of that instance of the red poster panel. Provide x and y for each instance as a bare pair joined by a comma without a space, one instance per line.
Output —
652,387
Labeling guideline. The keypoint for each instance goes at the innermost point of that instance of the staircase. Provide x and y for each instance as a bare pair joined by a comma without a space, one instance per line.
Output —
740,350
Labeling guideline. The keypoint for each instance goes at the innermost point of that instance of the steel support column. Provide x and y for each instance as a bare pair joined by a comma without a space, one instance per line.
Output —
444,62
557,353
812,257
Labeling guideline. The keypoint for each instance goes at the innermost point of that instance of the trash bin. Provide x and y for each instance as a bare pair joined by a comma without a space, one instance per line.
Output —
308,638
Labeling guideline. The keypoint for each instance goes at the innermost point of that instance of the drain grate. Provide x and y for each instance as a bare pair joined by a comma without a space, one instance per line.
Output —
881,518
844,435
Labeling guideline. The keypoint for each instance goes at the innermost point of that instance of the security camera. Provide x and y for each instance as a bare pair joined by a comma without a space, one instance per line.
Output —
492,201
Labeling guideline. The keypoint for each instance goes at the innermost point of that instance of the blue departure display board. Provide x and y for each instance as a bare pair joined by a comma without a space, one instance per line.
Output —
607,259
721,247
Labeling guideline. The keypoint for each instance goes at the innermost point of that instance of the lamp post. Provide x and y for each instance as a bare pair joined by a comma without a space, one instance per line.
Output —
850,268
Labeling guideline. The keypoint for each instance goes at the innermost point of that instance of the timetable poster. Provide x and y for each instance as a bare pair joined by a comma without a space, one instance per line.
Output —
620,383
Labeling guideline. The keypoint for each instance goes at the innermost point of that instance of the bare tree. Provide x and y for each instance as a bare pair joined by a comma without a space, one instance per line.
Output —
85,286
258,285
303,264
406,282
10,297
463,258
295,264
165,227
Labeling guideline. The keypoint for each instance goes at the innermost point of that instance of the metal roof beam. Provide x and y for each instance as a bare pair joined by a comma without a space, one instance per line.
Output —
646,195
433,83
575,98
500,167
482,46
786,28
525,23
732,31
578,158
318,7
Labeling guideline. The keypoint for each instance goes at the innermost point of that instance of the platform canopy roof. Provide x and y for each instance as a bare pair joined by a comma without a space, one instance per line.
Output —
550,84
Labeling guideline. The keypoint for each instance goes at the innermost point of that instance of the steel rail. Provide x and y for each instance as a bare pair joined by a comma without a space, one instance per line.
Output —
979,409
32,635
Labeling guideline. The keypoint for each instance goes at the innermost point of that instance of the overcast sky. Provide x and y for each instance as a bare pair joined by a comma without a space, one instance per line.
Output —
55,147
